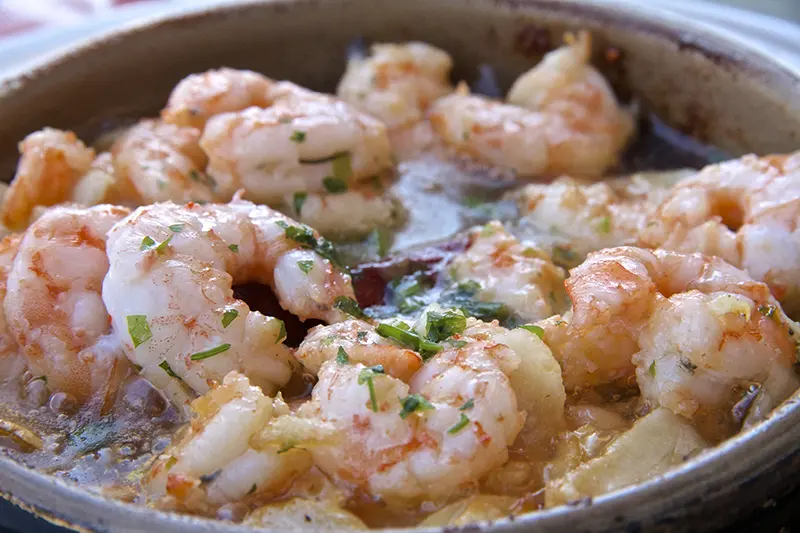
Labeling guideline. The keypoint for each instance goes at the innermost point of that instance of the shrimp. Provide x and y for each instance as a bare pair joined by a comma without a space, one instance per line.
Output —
168,290
215,462
198,97
156,162
746,211
397,82
9,351
695,330
429,439
53,303
561,117
361,343
584,217
305,142
511,272
349,214
501,135
51,163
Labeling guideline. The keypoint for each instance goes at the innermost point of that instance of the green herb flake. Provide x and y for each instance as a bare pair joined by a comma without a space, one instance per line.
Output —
147,243
234,248
536,330
652,369
441,326
172,461
253,489
334,185
604,225
199,356
382,239
297,136
361,336
327,159
342,168
202,177
349,306
413,403
304,236
176,228
409,339
458,344
163,365
462,423
341,357
469,404
298,200
406,292
161,248
138,329
229,316
281,332
366,376
463,297
306,265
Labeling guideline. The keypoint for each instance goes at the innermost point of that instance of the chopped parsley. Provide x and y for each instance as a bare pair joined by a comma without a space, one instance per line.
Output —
366,376
199,356
229,316
298,200
361,335
461,424
147,243
442,326
234,248
304,236
342,168
463,298
253,489
168,369
306,265
413,403
604,225
564,256
382,239
458,344
176,228
469,404
652,369
138,329
163,246
341,357
349,306
406,292
536,330
297,136
281,332
334,185
202,177
408,339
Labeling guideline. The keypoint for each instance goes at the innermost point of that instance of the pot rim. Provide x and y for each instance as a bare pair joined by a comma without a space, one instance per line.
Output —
723,468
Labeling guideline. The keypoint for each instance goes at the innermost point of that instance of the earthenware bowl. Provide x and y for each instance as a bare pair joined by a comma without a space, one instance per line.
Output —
712,87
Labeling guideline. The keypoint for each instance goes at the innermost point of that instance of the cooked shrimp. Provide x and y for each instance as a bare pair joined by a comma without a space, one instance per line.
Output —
511,272
53,304
361,344
583,217
156,162
51,163
501,135
437,436
215,462
168,290
746,211
348,214
8,251
561,117
586,128
98,185
198,97
305,142
696,329
397,82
